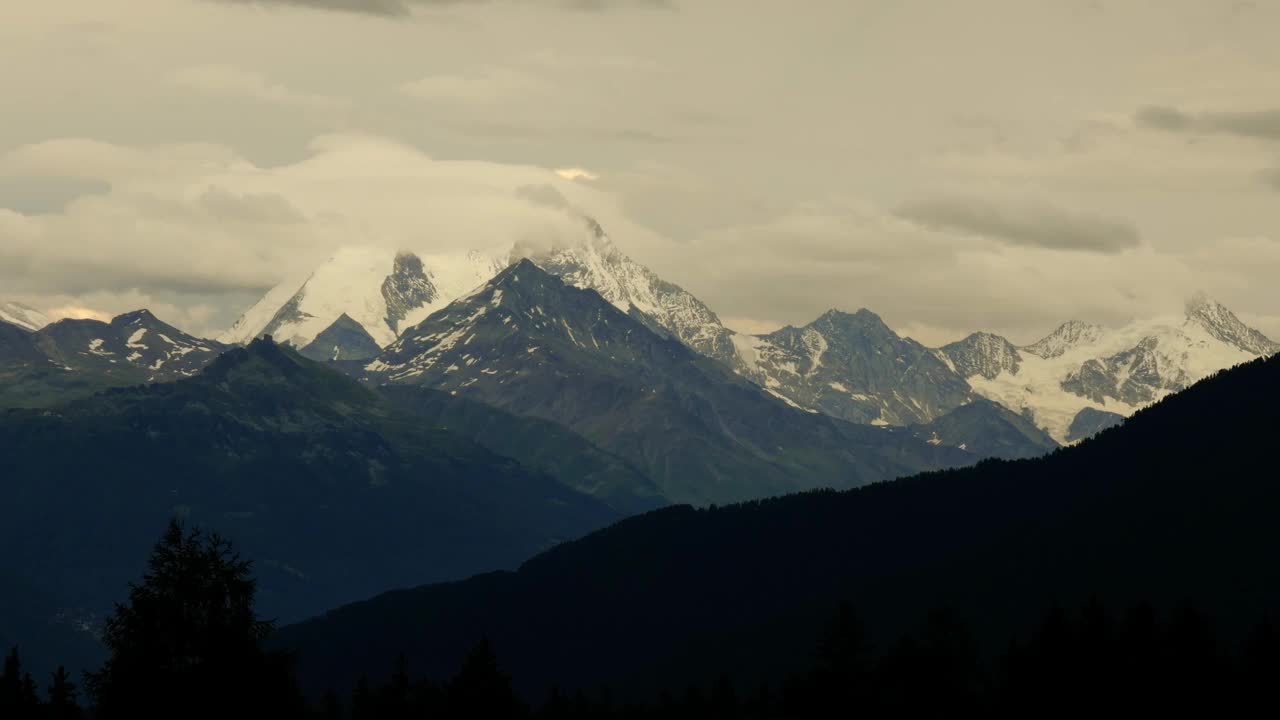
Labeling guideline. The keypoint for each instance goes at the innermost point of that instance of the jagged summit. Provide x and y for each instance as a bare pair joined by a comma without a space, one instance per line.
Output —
1223,324
135,345
1068,335
861,320
406,289
854,367
388,292
982,353
595,262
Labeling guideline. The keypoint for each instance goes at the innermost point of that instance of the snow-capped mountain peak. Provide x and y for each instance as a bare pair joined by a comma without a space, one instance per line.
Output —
854,367
982,354
136,345
1223,324
595,262
23,316
1069,335
1083,368
388,292
381,289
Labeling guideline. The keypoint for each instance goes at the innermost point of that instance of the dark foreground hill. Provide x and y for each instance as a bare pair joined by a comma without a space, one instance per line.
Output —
332,492
1175,507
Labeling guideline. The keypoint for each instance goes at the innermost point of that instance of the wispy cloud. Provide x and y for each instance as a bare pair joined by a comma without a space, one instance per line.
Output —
403,8
1025,225
485,85
1259,124
228,81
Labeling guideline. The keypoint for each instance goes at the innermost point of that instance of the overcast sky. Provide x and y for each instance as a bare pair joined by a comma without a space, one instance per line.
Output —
997,165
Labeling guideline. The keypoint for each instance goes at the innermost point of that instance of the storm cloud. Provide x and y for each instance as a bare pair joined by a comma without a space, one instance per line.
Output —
1026,225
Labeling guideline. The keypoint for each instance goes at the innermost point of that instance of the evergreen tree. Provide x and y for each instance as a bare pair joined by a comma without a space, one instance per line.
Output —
188,642
1260,668
18,697
11,681
481,689
331,707
557,706
840,675
362,705
394,698
29,697
62,697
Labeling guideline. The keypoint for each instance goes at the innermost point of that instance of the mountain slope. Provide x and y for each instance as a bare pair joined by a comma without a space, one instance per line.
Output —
537,444
17,345
24,317
345,339
988,430
333,492
528,343
1089,422
1175,507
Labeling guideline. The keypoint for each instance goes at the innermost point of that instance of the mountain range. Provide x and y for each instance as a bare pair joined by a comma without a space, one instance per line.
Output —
1175,508
849,365
531,344
75,358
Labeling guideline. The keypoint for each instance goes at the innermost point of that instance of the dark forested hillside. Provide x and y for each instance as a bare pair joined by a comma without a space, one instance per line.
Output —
538,444
334,493
1175,507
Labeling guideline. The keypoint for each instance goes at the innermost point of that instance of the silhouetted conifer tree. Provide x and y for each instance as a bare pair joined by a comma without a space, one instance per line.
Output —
62,697
188,643
481,690
841,672
331,707
362,706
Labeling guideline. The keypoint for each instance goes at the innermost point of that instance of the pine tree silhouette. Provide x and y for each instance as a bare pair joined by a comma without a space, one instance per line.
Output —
11,682
18,697
62,697
841,673
362,705
481,689
188,641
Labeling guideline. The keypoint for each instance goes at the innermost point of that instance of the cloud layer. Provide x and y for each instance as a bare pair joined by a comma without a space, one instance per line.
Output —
767,163
1259,124
1029,225
403,8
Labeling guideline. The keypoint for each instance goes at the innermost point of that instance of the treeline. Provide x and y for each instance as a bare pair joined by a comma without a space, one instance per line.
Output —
1076,664
189,644
21,697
